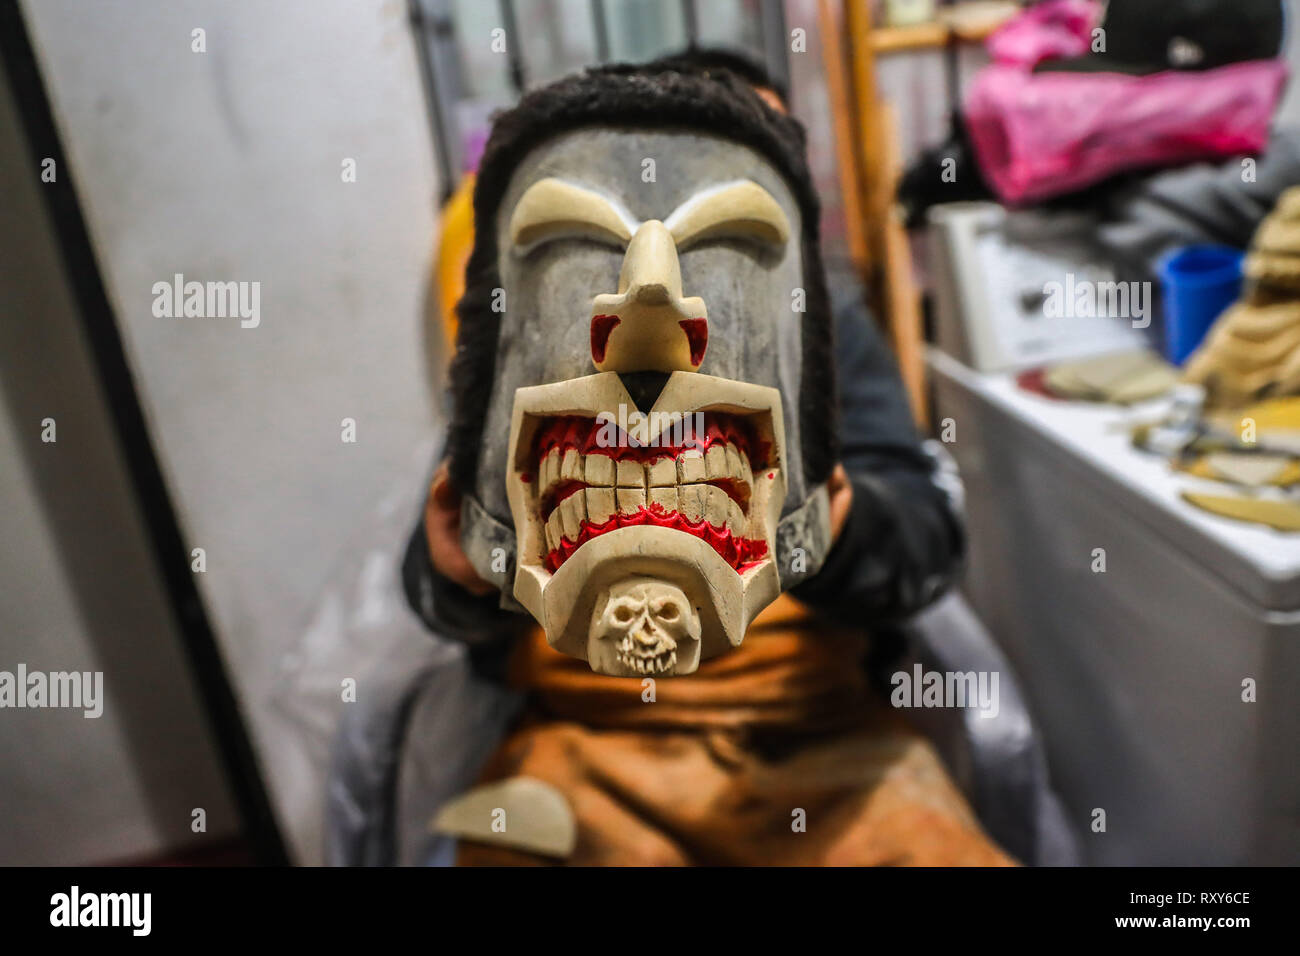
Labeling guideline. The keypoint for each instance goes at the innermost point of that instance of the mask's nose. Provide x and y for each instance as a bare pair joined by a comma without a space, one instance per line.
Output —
648,326
651,274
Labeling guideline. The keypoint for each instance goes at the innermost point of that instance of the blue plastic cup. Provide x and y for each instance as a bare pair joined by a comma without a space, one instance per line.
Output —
1198,283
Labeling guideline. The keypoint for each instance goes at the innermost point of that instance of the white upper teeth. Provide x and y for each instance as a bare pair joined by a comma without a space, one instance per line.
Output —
624,487
601,471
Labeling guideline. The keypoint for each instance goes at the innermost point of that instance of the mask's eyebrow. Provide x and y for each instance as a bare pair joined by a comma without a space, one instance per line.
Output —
552,209
741,210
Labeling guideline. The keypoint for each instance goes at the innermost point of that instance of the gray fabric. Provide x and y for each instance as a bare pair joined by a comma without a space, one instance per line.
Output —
455,724
362,784
1203,203
421,727
998,762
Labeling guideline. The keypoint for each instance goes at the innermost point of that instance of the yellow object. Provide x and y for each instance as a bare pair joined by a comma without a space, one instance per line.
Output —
521,812
1274,414
1122,378
1252,470
1253,348
455,240
1278,515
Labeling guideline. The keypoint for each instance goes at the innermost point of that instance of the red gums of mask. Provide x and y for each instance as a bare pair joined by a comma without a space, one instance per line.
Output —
697,335
583,434
741,553
601,327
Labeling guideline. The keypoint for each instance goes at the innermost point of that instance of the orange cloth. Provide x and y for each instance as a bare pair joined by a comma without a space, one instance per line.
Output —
774,753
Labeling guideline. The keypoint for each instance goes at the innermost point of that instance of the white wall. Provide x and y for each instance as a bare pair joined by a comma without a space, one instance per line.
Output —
1288,112
225,165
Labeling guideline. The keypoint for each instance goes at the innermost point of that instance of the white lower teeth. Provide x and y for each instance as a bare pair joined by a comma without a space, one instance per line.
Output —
691,501
600,504
665,498
630,500
574,512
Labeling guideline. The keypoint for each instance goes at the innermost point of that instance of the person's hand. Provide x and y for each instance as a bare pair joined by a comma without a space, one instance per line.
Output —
442,529
840,490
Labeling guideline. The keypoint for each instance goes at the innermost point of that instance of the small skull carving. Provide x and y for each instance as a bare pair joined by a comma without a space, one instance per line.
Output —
644,627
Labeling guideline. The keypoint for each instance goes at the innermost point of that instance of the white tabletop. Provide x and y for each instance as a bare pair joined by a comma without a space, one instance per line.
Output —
1100,435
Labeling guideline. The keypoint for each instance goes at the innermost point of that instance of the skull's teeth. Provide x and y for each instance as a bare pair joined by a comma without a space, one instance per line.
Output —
644,665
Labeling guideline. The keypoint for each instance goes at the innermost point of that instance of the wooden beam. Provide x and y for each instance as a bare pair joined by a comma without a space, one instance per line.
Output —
891,282
902,297
866,106
843,120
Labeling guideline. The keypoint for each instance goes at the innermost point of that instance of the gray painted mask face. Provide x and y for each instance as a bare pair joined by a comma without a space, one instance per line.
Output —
647,378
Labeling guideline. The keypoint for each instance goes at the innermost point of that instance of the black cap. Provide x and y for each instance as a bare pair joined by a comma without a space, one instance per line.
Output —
1149,36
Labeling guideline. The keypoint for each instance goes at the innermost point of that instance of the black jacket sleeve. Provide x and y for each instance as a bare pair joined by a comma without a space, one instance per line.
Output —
903,542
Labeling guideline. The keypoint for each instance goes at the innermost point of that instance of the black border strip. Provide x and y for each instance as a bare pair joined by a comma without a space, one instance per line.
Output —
172,556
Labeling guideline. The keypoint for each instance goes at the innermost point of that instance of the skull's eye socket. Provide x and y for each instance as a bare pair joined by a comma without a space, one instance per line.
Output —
667,611
622,614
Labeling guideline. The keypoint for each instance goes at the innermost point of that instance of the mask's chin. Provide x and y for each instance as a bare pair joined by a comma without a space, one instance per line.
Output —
688,495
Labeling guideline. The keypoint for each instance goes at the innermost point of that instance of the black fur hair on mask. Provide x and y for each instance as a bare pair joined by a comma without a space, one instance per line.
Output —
641,97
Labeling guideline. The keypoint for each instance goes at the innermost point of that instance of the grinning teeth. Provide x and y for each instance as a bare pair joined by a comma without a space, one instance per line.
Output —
663,473
571,466
733,462
600,504
722,462
690,467
666,485
738,465
631,474
600,471
550,470
630,499
690,501
574,511
715,462
645,665
665,498
715,506
735,519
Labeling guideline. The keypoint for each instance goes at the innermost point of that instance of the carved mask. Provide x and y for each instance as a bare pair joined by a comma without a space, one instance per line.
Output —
642,453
